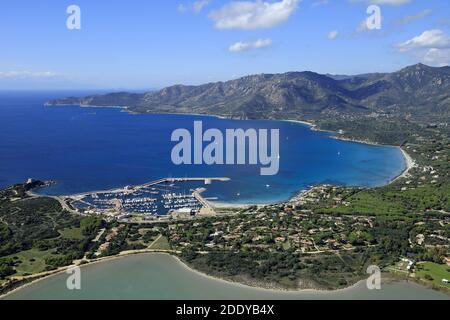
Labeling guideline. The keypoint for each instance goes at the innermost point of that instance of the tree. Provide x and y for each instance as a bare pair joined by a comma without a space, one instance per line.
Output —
90,225
5,232
6,269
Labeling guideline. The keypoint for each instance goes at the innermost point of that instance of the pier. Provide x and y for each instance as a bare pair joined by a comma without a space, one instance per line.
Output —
161,197
149,184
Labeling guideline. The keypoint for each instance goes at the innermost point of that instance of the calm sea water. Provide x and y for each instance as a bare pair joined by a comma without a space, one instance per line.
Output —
159,276
87,149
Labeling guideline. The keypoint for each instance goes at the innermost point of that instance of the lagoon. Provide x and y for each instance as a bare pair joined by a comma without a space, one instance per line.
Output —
161,276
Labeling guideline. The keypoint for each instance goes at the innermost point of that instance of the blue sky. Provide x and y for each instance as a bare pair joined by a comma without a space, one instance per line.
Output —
154,43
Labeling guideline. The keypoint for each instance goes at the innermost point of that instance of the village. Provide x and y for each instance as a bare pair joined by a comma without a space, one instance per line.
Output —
270,230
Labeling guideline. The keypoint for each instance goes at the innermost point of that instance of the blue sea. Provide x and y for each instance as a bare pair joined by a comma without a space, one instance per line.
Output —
88,149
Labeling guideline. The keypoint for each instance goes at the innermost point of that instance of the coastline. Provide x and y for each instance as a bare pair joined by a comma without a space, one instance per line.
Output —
185,266
225,205
257,285
410,163
48,274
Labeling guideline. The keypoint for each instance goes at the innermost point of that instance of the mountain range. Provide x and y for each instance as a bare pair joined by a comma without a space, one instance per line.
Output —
417,92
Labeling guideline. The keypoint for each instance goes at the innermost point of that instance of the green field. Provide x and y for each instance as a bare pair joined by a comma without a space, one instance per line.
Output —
72,233
399,267
393,204
27,265
436,271
160,244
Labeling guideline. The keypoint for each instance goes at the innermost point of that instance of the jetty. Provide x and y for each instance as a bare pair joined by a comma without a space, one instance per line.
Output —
158,198
207,181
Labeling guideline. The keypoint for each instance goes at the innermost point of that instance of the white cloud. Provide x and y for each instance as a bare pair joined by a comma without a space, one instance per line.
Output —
384,2
429,39
26,74
431,47
199,5
333,34
437,57
411,18
362,27
249,45
253,14
390,2
444,22
195,6
181,8
319,3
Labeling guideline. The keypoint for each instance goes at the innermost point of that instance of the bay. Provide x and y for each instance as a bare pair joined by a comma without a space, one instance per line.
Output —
88,149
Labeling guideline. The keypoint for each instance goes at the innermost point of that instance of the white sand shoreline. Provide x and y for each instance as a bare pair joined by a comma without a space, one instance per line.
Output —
409,164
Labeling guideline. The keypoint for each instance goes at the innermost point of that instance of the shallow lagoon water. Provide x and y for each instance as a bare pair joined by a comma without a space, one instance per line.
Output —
161,276
88,149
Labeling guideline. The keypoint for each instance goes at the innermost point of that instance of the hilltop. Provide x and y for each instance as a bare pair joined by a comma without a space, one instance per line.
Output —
419,93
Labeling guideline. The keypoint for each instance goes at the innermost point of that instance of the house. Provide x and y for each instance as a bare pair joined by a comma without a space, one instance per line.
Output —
447,260
445,281
216,234
186,211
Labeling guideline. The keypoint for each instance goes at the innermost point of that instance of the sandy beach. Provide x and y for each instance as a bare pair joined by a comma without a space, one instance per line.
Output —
410,163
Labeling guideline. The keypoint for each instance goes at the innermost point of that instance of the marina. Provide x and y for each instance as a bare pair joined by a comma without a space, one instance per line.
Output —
163,197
